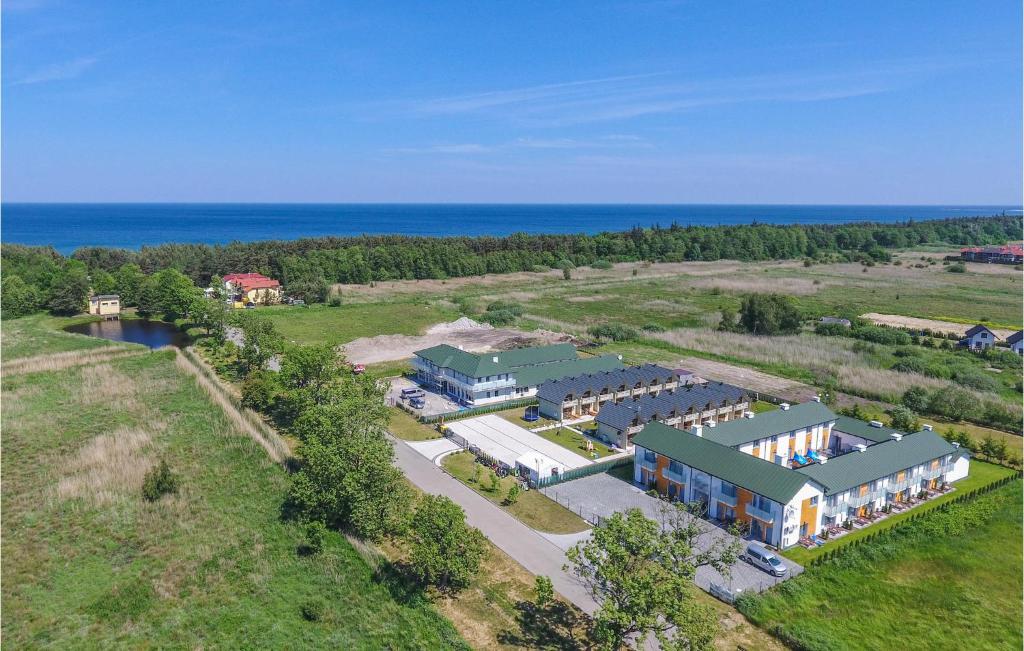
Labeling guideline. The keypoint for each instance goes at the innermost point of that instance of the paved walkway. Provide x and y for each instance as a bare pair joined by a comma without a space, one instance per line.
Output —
599,496
530,549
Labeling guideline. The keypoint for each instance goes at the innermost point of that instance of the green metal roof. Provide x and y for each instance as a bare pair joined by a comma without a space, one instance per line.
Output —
746,471
484,364
880,460
528,376
864,430
769,423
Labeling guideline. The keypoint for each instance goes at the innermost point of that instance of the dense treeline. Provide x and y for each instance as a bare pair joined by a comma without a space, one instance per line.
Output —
307,266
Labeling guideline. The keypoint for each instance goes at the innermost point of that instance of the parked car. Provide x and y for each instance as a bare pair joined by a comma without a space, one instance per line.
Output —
417,403
414,391
250,306
764,559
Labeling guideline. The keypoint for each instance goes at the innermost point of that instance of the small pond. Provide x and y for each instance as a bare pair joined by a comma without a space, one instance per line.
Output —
137,331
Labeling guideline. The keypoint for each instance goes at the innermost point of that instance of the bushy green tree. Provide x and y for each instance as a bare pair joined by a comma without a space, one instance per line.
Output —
128,280
19,298
641,574
513,495
311,371
70,291
259,391
348,478
904,419
769,314
261,340
315,534
443,550
544,591
916,399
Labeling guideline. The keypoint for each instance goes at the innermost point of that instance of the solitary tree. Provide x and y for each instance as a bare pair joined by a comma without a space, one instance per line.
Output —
444,551
769,314
544,591
641,573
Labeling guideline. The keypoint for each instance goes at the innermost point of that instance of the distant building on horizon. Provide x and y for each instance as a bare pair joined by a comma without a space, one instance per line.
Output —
252,288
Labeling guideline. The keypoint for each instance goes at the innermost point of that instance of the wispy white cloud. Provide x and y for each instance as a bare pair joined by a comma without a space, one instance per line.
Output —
631,96
58,71
613,141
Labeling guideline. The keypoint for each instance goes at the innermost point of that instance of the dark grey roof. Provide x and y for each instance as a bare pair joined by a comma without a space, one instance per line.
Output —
770,423
645,408
881,460
103,297
978,328
1015,337
864,430
745,470
596,383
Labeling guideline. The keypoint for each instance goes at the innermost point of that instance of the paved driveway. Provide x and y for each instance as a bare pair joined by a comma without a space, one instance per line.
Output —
534,552
599,496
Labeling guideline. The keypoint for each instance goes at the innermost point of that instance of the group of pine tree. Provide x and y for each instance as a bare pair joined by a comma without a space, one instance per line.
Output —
37,278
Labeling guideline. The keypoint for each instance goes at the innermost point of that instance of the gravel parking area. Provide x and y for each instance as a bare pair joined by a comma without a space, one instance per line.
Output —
599,496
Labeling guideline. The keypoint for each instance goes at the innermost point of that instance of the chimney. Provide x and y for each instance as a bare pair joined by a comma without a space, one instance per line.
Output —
955,444
495,359
461,348
822,460
748,414
927,428
712,423
784,406
875,423
698,431
896,436
861,447
817,398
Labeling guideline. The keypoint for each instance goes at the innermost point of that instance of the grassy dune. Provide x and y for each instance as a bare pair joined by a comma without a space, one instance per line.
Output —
88,563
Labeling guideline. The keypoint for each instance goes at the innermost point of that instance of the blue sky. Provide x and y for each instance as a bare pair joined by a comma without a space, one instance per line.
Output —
646,101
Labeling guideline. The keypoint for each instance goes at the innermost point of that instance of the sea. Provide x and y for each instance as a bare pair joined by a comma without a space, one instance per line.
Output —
68,226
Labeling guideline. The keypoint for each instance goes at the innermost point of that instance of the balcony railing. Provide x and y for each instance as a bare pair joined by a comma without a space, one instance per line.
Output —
649,465
673,476
726,499
760,514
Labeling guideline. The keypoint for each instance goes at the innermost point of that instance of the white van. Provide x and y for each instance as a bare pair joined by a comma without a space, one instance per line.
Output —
762,558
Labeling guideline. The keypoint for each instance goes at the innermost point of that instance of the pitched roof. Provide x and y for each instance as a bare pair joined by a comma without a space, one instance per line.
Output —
769,423
251,281
1015,337
978,328
528,376
525,362
104,297
864,430
557,390
746,471
881,460
620,416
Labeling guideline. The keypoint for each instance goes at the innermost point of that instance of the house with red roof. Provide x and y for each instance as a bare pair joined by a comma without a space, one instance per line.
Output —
252,288
1006,254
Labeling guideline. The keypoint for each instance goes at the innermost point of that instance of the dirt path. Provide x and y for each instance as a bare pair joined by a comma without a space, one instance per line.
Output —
931,324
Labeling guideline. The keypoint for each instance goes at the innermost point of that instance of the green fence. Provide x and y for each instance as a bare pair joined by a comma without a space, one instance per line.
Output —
970,495
585,471
477,411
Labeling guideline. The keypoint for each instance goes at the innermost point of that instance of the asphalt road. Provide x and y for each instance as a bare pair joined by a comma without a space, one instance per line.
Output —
531,550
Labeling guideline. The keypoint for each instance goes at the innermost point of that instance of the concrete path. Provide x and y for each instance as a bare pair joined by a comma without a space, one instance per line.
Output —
529,548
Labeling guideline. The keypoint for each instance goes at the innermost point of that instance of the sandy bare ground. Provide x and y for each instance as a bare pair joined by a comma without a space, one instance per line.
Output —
938,326
387,348
748,378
